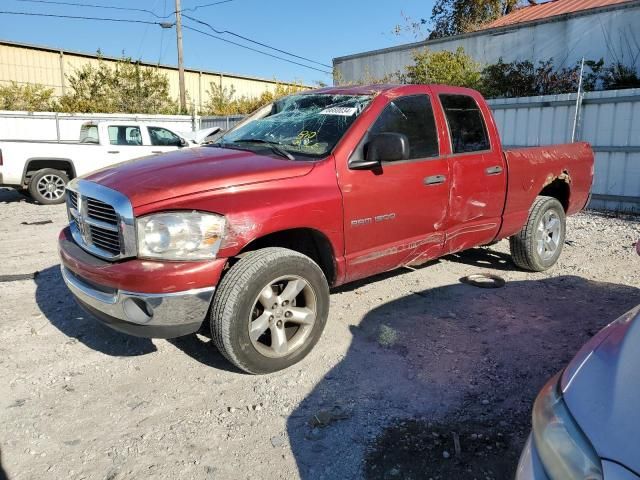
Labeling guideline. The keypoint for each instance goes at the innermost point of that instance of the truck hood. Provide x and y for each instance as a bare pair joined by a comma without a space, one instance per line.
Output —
182,172
602,391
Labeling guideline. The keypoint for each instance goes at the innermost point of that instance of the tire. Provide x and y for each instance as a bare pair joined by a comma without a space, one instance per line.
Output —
284,331
538,245
47,186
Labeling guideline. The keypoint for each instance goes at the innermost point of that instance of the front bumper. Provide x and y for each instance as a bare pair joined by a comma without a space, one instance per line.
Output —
165,315
139,297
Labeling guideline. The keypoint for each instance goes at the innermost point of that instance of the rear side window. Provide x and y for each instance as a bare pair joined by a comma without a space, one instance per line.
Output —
413,117
466,125
124,135
89,134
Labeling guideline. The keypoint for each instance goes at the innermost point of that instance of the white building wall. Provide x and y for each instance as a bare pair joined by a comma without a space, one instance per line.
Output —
611,33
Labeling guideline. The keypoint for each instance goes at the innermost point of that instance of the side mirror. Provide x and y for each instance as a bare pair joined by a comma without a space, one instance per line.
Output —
387,147
183,142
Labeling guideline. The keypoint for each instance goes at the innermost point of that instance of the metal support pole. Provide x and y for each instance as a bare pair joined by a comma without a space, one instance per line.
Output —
57,126
62,76
183,94
578,104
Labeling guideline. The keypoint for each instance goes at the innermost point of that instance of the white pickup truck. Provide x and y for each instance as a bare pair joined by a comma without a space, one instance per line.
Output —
43,168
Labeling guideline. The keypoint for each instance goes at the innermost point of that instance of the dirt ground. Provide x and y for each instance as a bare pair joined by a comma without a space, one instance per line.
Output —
412,365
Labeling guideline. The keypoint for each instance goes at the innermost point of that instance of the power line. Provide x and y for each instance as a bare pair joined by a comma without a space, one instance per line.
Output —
191,9
222,32
162,24
128,9
91,5
255,50
104,19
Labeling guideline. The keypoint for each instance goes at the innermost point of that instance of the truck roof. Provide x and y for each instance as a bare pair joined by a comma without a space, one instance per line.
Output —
374,89
357,89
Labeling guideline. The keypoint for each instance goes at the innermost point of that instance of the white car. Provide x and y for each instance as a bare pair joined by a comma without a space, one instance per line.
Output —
43,168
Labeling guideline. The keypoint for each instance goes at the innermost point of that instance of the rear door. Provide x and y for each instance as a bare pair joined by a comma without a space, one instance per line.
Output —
125,143
477,170
395,215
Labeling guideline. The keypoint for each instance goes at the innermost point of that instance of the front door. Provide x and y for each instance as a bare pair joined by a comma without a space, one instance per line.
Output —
162,140
395,215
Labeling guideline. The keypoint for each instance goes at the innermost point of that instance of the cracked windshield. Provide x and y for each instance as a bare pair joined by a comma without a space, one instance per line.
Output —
307,125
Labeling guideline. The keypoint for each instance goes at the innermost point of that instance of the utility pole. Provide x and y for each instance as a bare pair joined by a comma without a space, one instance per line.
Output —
183,93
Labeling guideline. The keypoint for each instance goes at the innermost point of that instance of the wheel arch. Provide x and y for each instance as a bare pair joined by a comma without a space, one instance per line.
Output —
38,163
560,189
307,241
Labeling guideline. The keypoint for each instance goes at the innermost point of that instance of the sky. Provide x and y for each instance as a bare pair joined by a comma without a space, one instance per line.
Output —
318,31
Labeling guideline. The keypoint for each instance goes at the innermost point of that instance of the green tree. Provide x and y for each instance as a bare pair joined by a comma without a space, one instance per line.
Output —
127,87
450,68
32,98
453,17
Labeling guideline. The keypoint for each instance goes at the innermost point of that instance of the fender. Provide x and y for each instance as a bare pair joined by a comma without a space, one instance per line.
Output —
46,159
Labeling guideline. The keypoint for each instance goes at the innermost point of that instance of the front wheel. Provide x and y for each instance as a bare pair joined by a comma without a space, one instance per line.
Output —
270,310
47,186
538,245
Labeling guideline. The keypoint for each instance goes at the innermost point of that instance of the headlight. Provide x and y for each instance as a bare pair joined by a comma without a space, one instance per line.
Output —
564,450
180,235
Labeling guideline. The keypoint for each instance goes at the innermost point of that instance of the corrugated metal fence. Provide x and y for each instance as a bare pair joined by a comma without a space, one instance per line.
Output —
609,121
223,122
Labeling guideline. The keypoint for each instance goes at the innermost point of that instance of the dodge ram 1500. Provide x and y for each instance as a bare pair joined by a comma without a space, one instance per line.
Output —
246,236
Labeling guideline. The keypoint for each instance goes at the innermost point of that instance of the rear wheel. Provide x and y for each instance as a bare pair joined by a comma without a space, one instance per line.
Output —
47,186
538,245
270,310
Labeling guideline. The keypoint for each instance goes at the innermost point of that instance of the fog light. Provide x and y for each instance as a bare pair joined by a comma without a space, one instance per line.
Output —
137,310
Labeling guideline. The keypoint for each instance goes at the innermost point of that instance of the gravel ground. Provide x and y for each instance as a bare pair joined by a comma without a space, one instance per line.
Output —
410,361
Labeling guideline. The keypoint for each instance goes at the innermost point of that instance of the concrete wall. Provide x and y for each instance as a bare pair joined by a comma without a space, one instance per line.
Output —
27,64
610,33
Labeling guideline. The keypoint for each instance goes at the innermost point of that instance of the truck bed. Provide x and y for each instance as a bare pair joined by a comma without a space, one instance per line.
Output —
533,169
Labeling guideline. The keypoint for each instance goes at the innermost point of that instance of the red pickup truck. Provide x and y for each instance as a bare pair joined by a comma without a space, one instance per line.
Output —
245,236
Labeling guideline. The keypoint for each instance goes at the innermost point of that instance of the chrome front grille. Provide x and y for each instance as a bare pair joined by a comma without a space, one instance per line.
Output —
101,211
73,199
101,220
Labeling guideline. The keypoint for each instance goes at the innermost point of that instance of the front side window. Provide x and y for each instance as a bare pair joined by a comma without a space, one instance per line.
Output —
163,137
124,135
306,125
411,116
466,125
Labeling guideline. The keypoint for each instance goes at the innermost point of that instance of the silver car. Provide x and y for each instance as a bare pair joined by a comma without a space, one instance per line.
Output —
586,419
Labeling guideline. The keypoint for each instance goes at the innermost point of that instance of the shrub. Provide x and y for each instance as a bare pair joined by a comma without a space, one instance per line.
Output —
224,101
451,68
127,87
32,98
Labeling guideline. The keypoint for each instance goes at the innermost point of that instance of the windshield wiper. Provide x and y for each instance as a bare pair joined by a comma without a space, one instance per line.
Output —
275,147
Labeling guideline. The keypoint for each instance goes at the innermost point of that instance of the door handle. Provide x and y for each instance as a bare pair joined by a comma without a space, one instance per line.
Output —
435,180
113,151
156,151
495,170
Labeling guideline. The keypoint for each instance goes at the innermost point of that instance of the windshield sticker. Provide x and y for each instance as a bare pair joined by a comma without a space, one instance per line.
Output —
341,111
